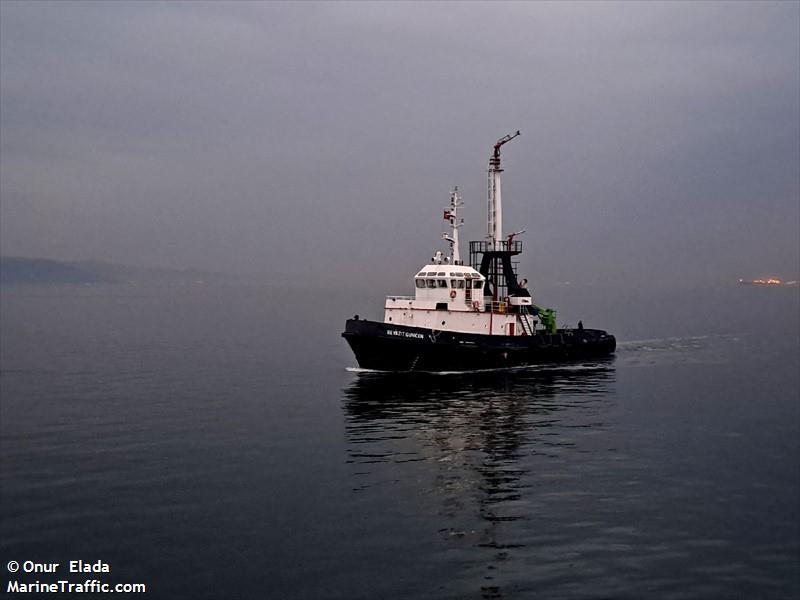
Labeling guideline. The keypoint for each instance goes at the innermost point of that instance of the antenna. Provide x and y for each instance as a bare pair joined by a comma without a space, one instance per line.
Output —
495,217
451,214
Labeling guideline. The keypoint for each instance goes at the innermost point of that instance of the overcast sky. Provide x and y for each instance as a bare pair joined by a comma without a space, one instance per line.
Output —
658,140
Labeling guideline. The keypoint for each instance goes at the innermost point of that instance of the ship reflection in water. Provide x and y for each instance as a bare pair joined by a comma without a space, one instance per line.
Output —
489,461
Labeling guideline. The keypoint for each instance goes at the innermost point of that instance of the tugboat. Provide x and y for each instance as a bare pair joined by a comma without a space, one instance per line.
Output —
475,317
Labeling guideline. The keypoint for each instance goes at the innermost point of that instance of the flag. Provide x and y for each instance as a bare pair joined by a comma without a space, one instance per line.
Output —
447,215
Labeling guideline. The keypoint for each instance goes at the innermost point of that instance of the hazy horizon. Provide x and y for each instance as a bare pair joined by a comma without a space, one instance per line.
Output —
322,139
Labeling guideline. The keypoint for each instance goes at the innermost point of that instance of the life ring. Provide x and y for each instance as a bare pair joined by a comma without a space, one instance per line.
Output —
476,305
453,294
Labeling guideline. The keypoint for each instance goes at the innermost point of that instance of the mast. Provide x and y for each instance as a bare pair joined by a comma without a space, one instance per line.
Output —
495,219
451,214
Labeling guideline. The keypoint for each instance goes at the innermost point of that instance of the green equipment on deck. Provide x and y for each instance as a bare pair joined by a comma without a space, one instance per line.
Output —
548,318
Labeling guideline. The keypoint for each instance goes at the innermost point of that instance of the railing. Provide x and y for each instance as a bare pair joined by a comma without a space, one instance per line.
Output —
476,302
502,245
498,307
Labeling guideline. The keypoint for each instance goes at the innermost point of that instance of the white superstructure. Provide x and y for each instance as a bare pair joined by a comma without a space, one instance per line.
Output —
450,298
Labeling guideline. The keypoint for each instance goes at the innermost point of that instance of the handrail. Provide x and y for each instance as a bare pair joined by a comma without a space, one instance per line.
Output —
498,307
479,246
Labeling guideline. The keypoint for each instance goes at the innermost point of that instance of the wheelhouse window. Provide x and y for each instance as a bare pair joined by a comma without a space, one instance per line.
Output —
477,284
453,283
460,283
420,283
442,283
430,283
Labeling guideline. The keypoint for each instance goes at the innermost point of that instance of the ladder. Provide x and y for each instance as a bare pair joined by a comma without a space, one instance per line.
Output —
526,325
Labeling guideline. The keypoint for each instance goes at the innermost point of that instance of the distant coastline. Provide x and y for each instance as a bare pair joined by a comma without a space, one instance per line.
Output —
17,270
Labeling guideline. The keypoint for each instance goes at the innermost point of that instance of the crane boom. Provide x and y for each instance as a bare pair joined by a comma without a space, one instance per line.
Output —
504,140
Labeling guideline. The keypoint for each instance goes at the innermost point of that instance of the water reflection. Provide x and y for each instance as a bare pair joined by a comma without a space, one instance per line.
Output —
484,446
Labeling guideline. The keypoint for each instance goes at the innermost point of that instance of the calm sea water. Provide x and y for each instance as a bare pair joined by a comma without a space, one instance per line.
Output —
210,442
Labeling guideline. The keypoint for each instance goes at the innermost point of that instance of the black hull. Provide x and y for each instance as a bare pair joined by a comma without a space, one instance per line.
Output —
386,347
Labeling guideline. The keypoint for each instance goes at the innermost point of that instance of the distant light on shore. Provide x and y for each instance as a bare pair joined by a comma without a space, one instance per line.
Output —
768,281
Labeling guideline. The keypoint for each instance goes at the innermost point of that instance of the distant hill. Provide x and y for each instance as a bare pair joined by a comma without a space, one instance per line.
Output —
19,270
16,270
